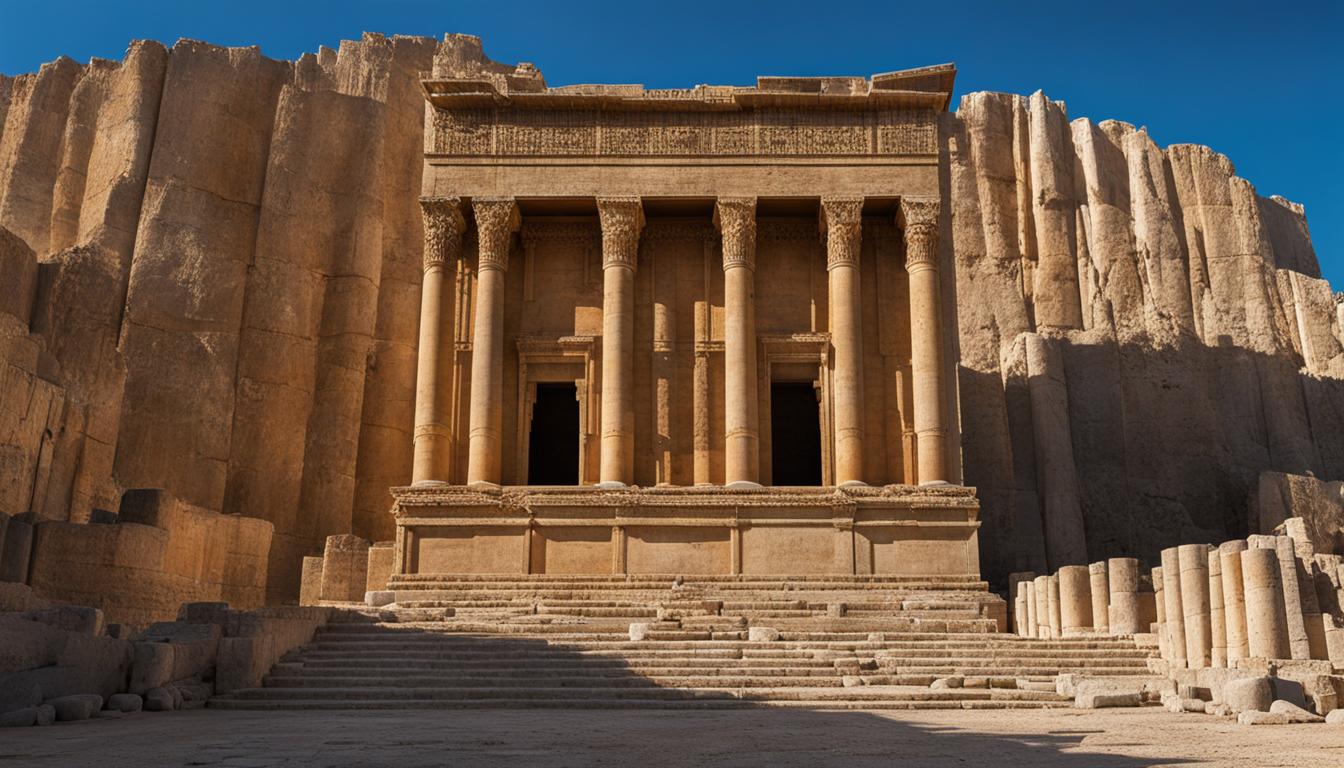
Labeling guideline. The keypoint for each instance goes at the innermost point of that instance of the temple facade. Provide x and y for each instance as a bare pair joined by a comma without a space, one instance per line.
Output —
697,331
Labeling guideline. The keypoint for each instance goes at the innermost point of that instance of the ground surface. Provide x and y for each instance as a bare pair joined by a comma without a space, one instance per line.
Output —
761,737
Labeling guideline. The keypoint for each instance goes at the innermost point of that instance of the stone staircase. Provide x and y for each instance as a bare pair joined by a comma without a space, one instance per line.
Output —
704,642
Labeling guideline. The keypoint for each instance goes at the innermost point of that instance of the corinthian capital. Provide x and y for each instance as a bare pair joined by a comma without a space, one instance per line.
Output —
622,219
496,221
736,219
842,225
443,224
918,218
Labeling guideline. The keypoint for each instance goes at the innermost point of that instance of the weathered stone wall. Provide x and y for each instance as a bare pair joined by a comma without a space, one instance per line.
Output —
1141,335
218,296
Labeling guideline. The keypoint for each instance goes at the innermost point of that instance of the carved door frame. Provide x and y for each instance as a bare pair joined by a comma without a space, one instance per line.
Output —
577,351
809,349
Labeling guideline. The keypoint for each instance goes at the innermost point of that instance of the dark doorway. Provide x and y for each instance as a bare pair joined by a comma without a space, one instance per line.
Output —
553,446
795,434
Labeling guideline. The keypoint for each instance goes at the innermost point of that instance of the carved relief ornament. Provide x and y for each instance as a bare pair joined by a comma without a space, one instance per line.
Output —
622,218
443,225
736,219
842,225
918,218
496,221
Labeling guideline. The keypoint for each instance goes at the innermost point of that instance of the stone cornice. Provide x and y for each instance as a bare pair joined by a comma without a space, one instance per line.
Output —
496,221
443,225
736,219
842,226
622,218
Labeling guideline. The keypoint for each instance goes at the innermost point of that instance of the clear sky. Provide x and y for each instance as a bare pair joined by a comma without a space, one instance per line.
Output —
1262,82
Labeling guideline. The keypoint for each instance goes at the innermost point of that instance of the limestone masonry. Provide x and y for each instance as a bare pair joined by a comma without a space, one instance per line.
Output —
994,341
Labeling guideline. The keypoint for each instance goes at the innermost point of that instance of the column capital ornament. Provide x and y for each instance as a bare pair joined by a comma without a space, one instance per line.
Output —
918,218
444,225
842,227
496,221
735,218
622,219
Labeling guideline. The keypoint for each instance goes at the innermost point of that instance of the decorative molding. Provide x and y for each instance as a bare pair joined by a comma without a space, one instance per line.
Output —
919,220
496,221
735,218
444,225
842,226
622,219
511,131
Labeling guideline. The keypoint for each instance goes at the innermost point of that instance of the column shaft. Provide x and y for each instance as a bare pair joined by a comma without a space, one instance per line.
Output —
842,221
622,218
1101,595
736,219
443,225
1123,611
919,218
496,221
1234,605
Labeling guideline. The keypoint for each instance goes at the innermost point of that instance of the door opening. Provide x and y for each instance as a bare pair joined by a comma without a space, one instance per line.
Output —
553,442
795,434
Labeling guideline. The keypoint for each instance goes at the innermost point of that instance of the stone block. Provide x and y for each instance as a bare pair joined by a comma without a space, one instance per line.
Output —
76,707
18,551
310,583
46,714
19,718
638,631
379,598
762,634
1249,694
195,646
125,702
380,566
71,618
1103,700
159,700
1336,717
16,597
1254,717
204,613
1294,713
345,566
946,683
153,666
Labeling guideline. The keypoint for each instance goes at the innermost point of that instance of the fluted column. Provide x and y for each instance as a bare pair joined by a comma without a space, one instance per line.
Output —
919,220
736,219
443,225
841,220
622,218
496,221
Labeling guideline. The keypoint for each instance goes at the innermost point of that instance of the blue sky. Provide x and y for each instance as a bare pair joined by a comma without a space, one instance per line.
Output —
1260,82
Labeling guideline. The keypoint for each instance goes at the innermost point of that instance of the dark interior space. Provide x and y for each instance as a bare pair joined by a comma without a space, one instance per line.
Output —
553,447
795,434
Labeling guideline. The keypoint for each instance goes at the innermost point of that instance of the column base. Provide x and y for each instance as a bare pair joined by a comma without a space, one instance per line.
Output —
743,485
853,484
484,485
428,483
612,484
933,483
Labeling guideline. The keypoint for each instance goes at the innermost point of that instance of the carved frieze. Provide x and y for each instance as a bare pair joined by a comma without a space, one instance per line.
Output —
511,131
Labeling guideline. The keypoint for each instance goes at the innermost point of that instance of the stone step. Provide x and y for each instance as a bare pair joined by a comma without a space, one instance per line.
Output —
624,704
586,680
795,693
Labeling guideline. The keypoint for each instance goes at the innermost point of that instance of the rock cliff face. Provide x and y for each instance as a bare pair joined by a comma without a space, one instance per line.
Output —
212,287
1140,335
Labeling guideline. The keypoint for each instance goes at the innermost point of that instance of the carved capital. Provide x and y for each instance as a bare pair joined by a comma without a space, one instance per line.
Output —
918,218
622,219
842,226
444,225
736,219
496,221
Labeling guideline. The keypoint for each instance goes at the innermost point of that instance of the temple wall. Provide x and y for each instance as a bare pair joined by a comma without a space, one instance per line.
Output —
219,298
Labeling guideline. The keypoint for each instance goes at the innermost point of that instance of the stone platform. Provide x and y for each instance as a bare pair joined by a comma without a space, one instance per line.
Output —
702,530
828,642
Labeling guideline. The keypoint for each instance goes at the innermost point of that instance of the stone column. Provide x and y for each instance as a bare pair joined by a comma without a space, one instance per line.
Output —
1175,612
1052,605
919,220
842,222
1029,590
1101,593
736,219
443,225
496,221
622,219
1266,620
1160,609
1194,559
1123,576
1234,605
1075,600
1217,620
1040,587
1018,594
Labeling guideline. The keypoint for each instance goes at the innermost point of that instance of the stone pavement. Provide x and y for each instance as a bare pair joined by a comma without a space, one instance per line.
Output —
779,739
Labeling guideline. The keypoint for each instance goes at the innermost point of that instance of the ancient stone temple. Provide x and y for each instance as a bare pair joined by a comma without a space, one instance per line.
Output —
686,331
